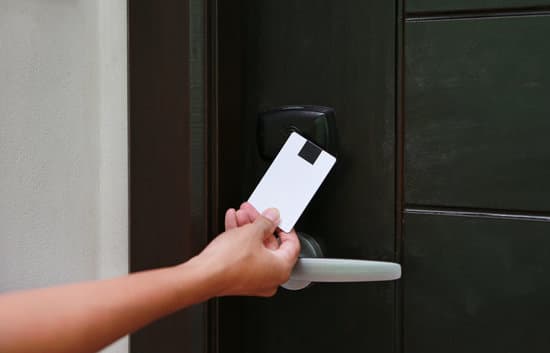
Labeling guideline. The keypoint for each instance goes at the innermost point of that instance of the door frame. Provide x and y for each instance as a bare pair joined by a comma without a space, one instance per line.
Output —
172,156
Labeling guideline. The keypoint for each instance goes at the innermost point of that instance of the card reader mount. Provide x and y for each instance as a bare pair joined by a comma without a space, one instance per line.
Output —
316,123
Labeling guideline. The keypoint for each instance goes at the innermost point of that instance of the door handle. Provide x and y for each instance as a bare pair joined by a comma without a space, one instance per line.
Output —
318,124
312,267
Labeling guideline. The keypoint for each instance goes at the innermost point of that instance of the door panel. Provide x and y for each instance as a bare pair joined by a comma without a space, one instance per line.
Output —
438,5
474,130
339,54
477,113
476,284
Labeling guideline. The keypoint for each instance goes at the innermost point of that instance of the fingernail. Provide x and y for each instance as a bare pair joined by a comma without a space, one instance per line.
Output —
272,214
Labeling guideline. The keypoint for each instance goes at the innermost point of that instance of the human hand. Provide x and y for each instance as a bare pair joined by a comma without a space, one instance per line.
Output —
248,258
244,260
247,214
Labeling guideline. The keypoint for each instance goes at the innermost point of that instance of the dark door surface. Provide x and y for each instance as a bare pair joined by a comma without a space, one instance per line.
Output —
443,120
477,166
339,54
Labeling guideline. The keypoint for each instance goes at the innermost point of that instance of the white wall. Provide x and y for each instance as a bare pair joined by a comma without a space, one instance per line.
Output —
63,142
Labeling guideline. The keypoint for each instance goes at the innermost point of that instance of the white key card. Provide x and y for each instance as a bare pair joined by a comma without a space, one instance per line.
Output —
292,179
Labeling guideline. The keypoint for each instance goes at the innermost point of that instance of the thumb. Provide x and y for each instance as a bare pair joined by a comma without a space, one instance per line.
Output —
267,222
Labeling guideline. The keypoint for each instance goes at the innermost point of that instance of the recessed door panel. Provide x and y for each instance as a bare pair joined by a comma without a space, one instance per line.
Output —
476,110
475,284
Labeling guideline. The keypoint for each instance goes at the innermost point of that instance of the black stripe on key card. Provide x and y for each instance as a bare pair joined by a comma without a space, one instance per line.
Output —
310,152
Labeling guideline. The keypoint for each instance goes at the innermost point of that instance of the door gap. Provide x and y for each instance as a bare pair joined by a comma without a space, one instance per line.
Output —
538,216
426,16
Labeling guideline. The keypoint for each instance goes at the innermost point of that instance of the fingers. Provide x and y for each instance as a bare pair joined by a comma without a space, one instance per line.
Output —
245,215
289,248
242,218
230,219
267,222
252,212
271,243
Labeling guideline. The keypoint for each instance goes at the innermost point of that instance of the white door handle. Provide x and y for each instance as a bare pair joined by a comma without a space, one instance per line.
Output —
318,269
309,270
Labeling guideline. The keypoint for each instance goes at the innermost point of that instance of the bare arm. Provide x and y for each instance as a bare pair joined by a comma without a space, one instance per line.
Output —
88,316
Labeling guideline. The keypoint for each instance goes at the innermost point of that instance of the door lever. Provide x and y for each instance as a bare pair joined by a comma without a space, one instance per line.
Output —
312,267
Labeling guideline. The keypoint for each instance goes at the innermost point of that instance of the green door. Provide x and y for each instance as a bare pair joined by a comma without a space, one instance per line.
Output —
443,122
339,54
477,171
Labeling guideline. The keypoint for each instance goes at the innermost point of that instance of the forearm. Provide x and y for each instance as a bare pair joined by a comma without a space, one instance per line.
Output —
83,318
86,317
